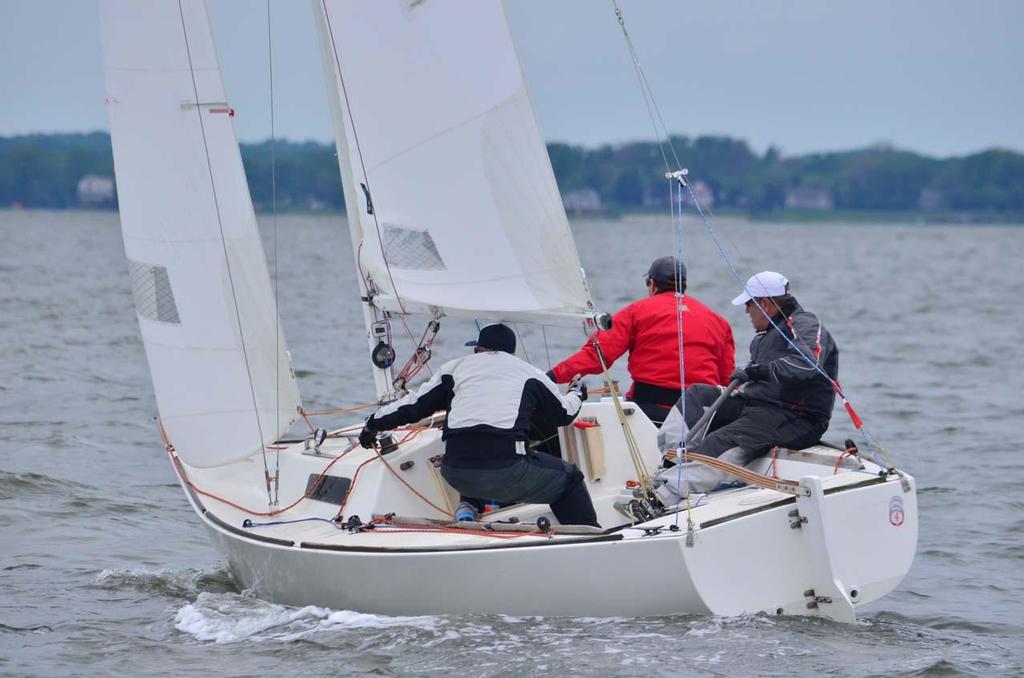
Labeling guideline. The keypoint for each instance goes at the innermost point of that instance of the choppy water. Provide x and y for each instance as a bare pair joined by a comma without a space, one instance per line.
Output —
104,569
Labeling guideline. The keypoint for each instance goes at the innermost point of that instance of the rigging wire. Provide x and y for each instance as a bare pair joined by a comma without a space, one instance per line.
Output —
362,164
224,246
676,191
547,349
277,292
522,344
654,112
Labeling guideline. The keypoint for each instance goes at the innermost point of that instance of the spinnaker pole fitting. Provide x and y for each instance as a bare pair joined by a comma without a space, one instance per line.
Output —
679,175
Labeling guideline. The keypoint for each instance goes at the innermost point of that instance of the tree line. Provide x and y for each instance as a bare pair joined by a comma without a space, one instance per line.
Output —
45,171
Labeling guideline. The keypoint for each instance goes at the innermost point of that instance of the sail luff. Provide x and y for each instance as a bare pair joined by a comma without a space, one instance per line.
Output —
382,377
221,373
467,215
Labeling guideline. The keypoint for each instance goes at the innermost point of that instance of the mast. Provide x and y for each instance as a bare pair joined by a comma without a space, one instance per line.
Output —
374,319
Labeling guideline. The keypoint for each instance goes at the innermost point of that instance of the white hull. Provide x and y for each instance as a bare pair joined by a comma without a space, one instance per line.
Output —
745,557
454,209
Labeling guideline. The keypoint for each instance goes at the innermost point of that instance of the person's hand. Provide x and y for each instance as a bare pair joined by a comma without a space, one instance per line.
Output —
579,388
752,372
367,438
755,372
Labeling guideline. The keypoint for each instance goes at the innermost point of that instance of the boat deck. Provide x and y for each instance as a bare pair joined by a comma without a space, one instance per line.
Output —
405,522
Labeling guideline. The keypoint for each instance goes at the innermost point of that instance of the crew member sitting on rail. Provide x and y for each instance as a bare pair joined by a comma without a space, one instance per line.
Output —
491,398
649,330
786,391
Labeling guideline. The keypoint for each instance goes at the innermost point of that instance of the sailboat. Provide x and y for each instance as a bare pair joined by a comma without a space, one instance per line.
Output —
453,212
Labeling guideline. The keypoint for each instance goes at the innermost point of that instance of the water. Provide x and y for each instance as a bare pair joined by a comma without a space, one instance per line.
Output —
105,570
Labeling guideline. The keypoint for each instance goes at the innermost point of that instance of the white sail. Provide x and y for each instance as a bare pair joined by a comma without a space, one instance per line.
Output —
435,127
221,373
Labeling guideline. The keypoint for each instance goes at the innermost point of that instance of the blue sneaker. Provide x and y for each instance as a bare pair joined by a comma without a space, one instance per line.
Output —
465,512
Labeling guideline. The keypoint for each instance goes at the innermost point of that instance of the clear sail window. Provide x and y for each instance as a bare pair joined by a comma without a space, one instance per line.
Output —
151,289
411,248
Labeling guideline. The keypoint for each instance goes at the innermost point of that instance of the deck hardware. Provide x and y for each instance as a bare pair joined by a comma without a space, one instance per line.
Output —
315,441
369,200
406,465
651,531
354,524
436,460
543,524
796,520
247,523
388,444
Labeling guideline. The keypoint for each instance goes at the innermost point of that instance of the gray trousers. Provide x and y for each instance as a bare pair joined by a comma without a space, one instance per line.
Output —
753,426
740,431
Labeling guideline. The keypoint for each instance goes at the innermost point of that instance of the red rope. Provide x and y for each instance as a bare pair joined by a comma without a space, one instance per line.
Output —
846,453
211,495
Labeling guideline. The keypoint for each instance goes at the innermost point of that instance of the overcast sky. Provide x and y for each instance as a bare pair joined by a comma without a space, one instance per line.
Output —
942,77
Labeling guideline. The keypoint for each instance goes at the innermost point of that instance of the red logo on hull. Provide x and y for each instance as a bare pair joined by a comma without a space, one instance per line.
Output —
896,513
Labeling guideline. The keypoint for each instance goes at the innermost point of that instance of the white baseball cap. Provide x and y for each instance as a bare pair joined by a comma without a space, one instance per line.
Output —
763,284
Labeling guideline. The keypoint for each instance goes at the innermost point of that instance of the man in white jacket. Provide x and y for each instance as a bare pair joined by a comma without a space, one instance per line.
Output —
492,398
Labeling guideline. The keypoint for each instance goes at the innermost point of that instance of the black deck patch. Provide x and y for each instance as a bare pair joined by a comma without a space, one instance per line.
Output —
331,489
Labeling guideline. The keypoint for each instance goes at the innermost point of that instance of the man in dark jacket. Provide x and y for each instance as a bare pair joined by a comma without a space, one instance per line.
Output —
491,398
786,393
649,330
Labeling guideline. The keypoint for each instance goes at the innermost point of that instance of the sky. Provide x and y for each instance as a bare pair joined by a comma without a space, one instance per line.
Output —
940,77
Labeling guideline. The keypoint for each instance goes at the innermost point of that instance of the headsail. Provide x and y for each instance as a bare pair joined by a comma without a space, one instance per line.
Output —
458,208
199,275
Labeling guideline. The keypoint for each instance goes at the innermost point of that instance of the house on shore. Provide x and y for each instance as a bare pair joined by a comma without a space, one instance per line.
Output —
806,198
583,202
96,191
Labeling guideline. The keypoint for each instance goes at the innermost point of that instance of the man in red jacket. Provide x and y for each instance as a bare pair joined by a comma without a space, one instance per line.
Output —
649,330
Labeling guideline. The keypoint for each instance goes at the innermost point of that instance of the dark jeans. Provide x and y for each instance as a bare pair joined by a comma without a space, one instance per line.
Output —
753,426
531,479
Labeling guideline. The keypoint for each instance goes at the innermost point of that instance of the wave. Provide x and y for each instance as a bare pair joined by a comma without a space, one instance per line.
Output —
232,618
914,626
39,628
22,485
186,584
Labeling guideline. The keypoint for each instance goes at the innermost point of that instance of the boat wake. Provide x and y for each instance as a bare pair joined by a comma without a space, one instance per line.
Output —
232,618
186,584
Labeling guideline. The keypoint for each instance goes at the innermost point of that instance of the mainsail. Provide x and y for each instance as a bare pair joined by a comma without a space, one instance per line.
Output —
457,209
220,370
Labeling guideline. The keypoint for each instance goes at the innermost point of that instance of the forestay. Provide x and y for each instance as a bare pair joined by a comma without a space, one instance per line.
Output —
456,204
199,276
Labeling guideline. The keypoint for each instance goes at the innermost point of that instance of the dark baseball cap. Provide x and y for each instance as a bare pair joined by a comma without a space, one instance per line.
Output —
495,337
664,269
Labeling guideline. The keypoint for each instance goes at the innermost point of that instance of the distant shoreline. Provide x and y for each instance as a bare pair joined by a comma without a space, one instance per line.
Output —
878,183
788,216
